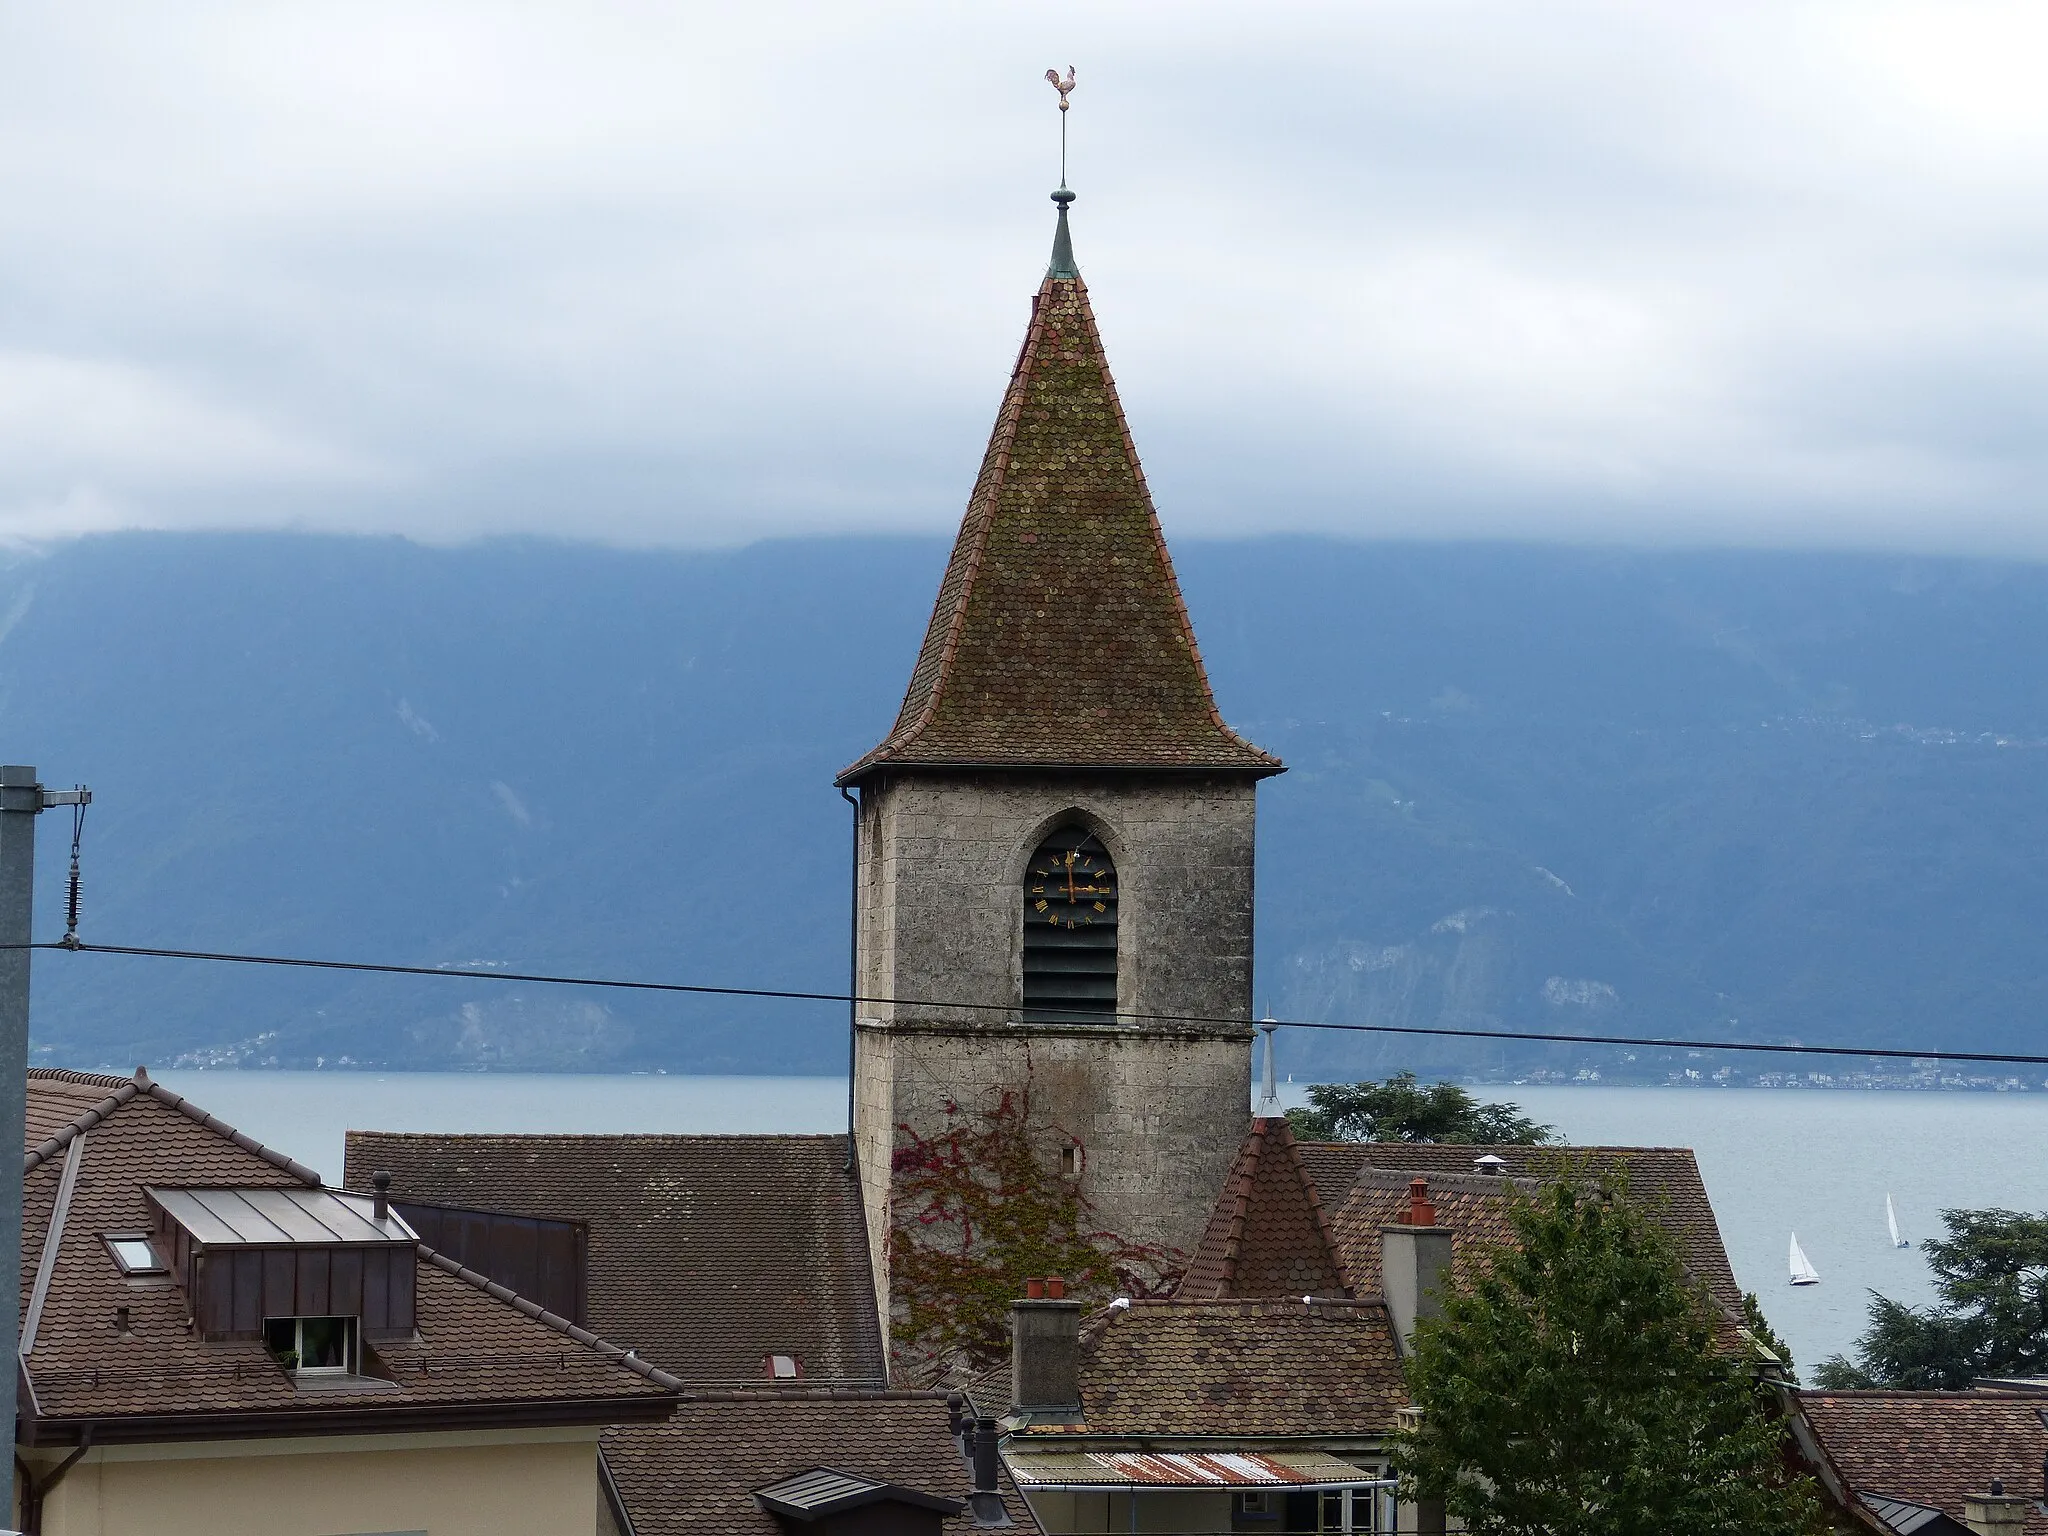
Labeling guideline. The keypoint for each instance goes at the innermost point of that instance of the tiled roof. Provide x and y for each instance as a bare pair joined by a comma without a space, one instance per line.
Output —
473,1349
1927,1448
1665,1181
696,1474
1244,1368
1473,1209
1269,1234
1059,637
706,1252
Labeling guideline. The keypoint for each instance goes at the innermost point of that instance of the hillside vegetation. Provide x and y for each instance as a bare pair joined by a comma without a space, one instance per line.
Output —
1777,796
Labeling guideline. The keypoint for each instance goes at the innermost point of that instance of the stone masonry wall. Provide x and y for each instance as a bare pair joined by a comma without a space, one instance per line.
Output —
1157,1106
942,894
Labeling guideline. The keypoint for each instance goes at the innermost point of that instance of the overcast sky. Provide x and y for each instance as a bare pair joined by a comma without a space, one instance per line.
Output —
664,273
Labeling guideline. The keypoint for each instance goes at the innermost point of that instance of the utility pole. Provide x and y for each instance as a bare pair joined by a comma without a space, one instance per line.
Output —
22,799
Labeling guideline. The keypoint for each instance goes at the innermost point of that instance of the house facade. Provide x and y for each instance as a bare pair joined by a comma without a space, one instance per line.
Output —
215,1341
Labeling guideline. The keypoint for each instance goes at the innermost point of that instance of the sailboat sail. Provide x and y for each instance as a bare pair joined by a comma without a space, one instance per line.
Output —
1892,1217
1803,1272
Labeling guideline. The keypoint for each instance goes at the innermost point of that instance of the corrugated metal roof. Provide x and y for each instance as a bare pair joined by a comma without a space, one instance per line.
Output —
224,1218
1182,1469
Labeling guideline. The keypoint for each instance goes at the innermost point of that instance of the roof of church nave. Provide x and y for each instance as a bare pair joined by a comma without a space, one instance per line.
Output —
1059,638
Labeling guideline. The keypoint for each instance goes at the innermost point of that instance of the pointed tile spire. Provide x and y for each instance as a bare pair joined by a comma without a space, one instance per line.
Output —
1059,638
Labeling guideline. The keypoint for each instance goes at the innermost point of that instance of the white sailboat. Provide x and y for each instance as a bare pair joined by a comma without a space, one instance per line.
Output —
1892,1217
1803,1272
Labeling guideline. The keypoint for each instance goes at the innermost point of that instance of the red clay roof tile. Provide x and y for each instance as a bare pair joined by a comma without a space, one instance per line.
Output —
1060,637
471,1349
1930,1448
706,1252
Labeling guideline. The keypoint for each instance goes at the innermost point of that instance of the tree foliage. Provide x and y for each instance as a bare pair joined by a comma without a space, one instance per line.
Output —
978,1210
1761,1330
1402,1109
1991,1275
1572,1388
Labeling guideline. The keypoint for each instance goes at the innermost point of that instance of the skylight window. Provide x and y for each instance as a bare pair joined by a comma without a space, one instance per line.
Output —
133,1253
782,1367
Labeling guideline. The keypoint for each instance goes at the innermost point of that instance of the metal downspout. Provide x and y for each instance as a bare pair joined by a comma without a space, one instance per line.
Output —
33,1493
852,970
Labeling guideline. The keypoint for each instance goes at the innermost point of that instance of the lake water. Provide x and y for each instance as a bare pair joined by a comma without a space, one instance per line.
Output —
1775,1162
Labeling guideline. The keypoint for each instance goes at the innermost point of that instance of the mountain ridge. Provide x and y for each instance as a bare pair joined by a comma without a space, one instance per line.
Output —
1755,795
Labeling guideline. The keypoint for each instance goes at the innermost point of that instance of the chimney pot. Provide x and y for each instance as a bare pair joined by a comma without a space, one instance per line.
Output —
1420,1212
1034,1289
121,1322
381,1209
956,1414
1055,1288
984,1455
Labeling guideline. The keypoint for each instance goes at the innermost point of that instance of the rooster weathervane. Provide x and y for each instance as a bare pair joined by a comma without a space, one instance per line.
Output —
1065,88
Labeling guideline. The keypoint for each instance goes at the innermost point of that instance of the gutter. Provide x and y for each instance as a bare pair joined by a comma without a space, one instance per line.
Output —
543,1413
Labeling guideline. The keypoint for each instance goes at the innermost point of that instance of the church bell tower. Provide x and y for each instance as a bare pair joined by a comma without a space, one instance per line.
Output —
1059,828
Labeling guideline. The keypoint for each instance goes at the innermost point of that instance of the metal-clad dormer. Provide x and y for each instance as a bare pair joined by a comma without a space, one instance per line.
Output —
252,1255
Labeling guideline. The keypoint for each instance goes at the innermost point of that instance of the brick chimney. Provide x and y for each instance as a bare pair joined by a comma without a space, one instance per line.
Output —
1996,1513
1415,1264
1045,1349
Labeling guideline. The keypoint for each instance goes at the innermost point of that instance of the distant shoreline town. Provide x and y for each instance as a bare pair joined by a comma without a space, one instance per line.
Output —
1919,1076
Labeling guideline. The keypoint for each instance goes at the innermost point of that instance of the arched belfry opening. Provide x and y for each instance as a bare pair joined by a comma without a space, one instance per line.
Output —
1070,892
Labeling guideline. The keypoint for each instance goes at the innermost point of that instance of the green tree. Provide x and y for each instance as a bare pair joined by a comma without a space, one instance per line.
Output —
1572,1388
1402,1109
1991,1274
1761,1330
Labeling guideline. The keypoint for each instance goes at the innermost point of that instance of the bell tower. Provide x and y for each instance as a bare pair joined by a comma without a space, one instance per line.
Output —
1058,829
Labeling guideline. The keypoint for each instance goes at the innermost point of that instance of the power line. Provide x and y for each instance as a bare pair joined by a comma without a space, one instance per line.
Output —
785,994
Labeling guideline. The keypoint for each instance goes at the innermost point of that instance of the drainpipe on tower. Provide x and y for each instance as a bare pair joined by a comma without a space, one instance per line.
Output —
852,968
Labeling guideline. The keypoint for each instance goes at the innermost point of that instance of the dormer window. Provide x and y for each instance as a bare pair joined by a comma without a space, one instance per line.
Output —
133,1254
313,1345
782,1367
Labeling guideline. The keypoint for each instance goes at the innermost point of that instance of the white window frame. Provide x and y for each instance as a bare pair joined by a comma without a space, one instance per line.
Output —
351,1351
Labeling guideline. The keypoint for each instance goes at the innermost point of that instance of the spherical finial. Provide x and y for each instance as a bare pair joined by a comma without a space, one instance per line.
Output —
1063,197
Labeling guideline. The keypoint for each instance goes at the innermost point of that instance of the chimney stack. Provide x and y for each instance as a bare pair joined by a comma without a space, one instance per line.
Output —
1045,1349
1996,1513
1415,1264
381,1209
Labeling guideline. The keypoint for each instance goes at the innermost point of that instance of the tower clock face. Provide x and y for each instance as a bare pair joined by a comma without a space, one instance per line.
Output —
1072,887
